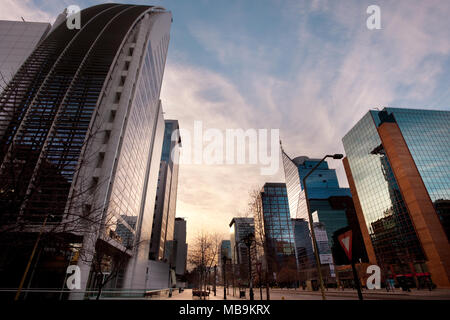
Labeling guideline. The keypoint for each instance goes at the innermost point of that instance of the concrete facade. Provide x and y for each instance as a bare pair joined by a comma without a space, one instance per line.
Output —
18,39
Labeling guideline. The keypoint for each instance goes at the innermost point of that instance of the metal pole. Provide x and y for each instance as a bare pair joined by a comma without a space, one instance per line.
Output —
313,234
30,260
357,283
224,258
215,279
250,270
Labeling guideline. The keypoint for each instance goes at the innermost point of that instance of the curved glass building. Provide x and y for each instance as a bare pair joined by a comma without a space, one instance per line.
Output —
81,131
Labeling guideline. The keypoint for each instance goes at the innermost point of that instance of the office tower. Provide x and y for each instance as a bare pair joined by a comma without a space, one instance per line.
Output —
398,170
80,144
273,224
166,194
331,208
224,251
303,243
17,41
181,251
240,229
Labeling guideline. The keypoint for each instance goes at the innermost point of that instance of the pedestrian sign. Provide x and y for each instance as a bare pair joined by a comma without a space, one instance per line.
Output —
345,240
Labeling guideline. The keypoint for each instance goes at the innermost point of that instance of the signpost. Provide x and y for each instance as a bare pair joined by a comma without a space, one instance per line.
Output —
345,240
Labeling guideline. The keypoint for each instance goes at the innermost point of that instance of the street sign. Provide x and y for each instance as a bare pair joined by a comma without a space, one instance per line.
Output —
326,258
345,240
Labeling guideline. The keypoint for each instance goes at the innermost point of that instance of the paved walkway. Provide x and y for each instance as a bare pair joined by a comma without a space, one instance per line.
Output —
331,294
187,295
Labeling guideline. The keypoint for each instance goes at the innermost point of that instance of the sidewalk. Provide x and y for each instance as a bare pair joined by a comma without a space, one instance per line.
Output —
397,291
187,295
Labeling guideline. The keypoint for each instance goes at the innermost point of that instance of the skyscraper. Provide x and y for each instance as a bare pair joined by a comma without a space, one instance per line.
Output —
398,169
225,251
181,251
80,144
17,41
274,225
240,228
331,209
166,195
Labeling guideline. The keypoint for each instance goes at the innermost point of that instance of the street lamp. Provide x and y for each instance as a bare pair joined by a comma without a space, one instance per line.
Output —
311,225
224,259
248,242
215,279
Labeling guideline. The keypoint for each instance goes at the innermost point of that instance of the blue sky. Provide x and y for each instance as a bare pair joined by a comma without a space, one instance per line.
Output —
310,68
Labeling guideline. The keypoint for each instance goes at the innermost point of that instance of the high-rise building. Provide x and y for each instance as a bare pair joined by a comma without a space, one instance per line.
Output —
303,243
18,39
331,208
273,224
398,167
166,194
81,135
181,251
224,251
240,229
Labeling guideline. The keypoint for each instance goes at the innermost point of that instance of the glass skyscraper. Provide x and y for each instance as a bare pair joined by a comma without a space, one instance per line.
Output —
166,195
81,135
398,167
331,209
240,228
274,225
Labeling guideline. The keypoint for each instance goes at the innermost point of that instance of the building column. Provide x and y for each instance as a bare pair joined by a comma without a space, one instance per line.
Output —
422,212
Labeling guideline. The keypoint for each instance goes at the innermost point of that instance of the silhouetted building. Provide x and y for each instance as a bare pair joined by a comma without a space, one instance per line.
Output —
240,229
181,252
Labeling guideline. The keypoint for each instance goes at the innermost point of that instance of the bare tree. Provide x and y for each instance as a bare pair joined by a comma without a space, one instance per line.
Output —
255,207
203,255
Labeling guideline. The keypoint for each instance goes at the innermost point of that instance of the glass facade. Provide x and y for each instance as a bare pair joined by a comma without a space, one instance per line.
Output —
165,208
127,190
331,218
67,127
279,235
427,135
240,228
329,206
303,244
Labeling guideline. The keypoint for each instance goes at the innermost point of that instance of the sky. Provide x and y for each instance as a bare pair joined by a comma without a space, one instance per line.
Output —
311,69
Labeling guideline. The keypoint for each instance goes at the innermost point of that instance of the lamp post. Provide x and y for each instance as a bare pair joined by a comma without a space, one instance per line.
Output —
215,279
248,242
224,259
19,290
311,225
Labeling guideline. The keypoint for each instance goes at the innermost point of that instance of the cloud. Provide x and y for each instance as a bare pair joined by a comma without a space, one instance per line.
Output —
14,10
333,71
210,195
